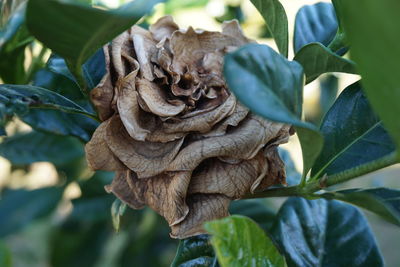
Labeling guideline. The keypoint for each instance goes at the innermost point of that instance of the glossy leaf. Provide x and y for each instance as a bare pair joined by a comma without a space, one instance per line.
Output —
238,241
315,232
59,122
13,40
275,16
51,21
17,99
256,209
314,23
272,87
354,135
20,207
195,251
383,201
377,58
93,69
26,148
316,59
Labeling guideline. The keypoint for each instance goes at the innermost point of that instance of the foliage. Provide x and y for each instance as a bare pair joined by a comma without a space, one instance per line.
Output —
316,226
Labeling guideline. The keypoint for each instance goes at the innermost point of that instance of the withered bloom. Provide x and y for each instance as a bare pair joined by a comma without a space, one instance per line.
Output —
176,137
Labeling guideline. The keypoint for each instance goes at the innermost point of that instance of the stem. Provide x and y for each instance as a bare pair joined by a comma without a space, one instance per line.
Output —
315,185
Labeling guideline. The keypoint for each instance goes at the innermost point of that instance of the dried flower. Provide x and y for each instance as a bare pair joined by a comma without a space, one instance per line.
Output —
172,131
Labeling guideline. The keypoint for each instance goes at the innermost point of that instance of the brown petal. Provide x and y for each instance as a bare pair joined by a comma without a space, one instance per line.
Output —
103,94
129,109
203,122
99,155
145,48
145,158
232,28
202,208
163,28
190,46
243,142
233,120
155,99
121,47
165,193
232,180
121,189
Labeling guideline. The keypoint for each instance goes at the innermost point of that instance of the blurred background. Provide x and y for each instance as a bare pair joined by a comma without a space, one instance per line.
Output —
54,210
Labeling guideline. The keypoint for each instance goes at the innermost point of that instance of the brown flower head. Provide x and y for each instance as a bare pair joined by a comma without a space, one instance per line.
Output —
176,137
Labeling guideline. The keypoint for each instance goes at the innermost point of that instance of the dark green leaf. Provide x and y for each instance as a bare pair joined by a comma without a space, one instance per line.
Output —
383,201
354,135
314,23
17,99
26,148
48,78
272,87
93,69
20,207
82,28
329,86
13,41
195,251
256,209
377,58
238,241
5,255
275,16
325,233
316,59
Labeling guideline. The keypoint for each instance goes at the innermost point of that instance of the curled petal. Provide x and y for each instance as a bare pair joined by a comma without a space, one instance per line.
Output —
202,208
231,180
155,99
99,155
122,189
121,48
163,28
243,142
203,122
145,48
232,28
165,193
145,158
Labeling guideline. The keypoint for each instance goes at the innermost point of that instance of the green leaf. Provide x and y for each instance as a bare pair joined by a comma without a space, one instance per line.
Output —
377,58
82,28
314,23
316,59
117,210
354,135
195,251
5,255
13,41
55,121
272,87
26,148
275,16
383,201
17,99
325,233
20,207
256,209
238,241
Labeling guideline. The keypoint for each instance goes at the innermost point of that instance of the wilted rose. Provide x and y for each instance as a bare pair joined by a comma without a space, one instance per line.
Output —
176,137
